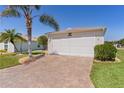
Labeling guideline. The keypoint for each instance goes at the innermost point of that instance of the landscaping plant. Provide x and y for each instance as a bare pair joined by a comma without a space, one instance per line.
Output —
2,51
105,52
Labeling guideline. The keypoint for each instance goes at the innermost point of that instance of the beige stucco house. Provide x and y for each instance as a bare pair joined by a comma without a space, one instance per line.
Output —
75,42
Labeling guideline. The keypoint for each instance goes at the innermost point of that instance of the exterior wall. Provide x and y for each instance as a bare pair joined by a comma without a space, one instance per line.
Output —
79,44
1,46
10,47
24,46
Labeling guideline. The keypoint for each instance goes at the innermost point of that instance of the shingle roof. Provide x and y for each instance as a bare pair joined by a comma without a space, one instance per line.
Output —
77,30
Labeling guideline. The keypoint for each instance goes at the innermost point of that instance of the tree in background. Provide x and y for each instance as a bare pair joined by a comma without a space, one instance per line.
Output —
27,12
121,41
109,42
43,40
11,36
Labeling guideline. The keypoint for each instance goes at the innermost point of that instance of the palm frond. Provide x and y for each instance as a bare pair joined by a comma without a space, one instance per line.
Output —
49,20
25,8
37,7
10,13
11,35
19,38
4,37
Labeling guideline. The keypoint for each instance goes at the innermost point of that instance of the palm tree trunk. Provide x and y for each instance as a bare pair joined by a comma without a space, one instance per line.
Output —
29,42
29,32
14,46
21,47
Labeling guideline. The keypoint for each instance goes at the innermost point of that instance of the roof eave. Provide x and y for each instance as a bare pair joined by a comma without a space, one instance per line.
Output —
79,30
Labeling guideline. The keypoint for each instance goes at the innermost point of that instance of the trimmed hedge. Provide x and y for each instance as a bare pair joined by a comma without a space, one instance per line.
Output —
105,52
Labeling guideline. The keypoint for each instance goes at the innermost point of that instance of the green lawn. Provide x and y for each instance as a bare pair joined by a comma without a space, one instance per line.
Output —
109,75
9,60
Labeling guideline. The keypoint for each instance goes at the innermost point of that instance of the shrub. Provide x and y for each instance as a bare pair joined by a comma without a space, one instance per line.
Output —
105,52
3,51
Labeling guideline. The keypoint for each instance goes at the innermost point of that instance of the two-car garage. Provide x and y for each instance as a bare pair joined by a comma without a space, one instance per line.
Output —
75,42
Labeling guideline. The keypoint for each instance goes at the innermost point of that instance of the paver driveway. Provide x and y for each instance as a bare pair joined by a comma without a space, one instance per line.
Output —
49,71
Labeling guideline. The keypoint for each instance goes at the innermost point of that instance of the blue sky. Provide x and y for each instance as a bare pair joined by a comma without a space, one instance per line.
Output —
111,17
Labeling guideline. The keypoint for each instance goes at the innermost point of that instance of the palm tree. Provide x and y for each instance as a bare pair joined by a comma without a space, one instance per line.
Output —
27,12
11,36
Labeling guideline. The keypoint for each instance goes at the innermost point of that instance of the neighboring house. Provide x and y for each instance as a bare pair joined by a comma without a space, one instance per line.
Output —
21,46
118,45
75,42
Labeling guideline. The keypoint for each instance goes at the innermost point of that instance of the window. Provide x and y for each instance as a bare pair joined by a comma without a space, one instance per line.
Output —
5,47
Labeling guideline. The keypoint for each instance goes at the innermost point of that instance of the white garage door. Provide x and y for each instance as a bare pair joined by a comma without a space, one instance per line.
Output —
74,46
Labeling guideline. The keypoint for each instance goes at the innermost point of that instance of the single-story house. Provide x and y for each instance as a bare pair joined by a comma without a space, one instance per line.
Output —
21,46
75,42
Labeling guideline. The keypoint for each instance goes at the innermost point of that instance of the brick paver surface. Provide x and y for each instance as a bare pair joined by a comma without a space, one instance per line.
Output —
51,71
